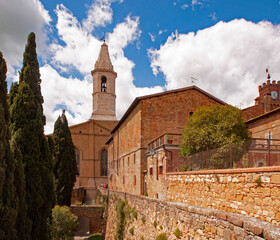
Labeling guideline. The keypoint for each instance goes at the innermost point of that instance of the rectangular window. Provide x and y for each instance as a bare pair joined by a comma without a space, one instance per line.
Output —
134,158
151,171
128,161
134,180
123,180
160,169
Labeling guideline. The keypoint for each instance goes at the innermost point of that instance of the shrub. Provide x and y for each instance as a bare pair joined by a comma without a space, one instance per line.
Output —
131,230
96,236
155,224
135,214
177,233
162,236
64,223
143,220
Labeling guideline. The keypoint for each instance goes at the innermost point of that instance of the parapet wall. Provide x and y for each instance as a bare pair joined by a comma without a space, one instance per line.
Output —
147,218
253,192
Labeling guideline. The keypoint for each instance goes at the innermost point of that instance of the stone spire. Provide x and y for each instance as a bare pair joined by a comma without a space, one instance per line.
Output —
103,61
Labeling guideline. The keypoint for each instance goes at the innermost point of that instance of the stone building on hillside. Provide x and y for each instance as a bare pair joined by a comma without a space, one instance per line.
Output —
145,130
90,137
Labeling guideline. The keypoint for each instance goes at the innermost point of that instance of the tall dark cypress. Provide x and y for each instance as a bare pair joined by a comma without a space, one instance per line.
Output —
65,170
8,196
24,124
33,146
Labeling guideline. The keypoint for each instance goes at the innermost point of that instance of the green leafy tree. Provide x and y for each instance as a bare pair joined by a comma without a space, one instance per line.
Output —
64,223
65,169
215,127
8,197
27,125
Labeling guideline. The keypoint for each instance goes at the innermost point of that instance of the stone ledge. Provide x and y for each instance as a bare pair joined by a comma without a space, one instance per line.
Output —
229,171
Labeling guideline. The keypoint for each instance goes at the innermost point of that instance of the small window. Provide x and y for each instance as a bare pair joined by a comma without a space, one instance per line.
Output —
103,84
134,158
151,171
134,180
77,160
123,180
160,169
128,161
104,162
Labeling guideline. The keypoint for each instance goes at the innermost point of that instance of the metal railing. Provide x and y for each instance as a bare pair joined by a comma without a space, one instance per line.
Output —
256,152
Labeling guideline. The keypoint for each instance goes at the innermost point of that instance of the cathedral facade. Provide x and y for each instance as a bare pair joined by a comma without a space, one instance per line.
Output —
90,137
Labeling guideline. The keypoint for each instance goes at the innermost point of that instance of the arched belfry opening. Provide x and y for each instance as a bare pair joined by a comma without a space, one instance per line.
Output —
103,84
104,162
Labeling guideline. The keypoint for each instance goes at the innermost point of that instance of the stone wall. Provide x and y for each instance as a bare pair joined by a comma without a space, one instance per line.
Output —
94,214
251,192
147,218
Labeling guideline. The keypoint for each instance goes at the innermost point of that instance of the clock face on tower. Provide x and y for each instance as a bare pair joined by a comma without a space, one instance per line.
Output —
273,95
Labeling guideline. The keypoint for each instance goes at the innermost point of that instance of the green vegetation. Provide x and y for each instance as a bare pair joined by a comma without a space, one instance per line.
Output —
161,236
65,169
26,115
64,223
8,195
120,220
215,127
161,227
96,236
143,219
177,233
134,214
131,231
258,181
155,224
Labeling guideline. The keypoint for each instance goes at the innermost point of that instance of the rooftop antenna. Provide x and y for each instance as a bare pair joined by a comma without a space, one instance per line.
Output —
267,71
193,80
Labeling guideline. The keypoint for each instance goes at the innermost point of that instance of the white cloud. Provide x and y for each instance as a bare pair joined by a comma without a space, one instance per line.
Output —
213,16
100,13
153,37
79,52
184,6
17,19
72,93
162,31
229,59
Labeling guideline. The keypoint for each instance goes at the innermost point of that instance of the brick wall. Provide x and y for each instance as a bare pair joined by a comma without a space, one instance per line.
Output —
252,192
156,217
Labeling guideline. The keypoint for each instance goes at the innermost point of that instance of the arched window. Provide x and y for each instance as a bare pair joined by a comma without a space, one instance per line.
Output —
77,160
103,84
104,162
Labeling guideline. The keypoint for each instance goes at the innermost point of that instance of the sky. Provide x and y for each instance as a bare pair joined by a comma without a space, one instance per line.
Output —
221,46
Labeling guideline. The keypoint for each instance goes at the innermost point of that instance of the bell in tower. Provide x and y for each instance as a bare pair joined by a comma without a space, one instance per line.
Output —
104,97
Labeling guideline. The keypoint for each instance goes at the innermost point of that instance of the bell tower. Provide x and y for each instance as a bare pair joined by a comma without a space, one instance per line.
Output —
103,96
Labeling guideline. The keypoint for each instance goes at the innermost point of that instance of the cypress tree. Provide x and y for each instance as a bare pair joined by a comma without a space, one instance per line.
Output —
28,129
8,197
24,125
23,223
65,170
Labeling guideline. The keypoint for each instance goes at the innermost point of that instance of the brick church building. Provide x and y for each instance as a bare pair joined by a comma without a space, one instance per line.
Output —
136,151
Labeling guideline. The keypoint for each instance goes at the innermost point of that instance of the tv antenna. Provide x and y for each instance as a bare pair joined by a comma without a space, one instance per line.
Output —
193,80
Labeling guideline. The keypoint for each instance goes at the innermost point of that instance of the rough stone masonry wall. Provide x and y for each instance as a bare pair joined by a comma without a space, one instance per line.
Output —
253,192
155,217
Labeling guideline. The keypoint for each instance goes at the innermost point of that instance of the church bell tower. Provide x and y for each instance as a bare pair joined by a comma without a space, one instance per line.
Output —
104,97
